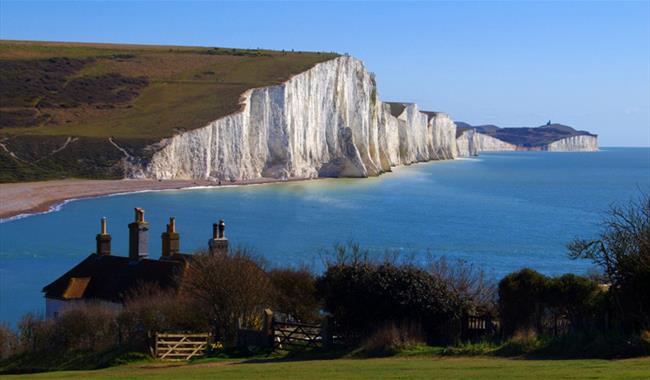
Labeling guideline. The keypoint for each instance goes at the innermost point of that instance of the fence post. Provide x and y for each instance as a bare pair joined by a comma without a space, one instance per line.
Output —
489,326
464,320
327,333
155,344
267,329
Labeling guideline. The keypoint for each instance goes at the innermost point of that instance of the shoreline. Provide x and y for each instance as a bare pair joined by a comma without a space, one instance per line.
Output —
23,199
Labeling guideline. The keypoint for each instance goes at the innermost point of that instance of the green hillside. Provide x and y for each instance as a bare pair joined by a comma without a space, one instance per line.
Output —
77,96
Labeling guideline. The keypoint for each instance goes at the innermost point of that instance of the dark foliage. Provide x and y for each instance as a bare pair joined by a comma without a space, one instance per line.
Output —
622,251
102,90
363,297
576,298
28,87
230,289
529,300
23,82
520,296
40,157
468,283
295,293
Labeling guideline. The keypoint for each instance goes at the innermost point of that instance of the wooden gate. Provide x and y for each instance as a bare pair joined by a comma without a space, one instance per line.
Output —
179,346
474,328
293,335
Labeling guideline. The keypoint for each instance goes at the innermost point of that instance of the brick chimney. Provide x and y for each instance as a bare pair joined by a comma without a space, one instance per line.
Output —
218,244
103,240
138,236
171,242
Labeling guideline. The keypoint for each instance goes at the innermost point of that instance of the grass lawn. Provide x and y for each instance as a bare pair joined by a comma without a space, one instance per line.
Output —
385,368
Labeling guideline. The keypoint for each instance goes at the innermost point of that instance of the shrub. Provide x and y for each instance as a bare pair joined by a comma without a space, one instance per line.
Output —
576,298
87,327
391,338
521,297
150,309
363,297
522,342
34,333
295,293
91,327
8,341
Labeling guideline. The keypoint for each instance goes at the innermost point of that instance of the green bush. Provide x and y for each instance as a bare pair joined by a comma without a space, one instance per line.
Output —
575,298
521,295
363,297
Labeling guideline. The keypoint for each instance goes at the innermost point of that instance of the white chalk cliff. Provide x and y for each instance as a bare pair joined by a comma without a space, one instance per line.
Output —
487,143
471,143
580,143
465,143
327,121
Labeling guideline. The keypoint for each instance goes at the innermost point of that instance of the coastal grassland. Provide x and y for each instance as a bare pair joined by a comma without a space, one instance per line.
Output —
199,84
135,94
380,368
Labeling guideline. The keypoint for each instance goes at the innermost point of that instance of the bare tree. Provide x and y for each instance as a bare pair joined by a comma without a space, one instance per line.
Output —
469,283
622,250
230,288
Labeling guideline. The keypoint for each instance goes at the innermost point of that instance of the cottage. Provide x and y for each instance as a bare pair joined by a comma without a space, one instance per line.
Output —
107,279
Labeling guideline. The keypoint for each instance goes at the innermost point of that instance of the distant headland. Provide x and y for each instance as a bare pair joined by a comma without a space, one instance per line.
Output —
548,137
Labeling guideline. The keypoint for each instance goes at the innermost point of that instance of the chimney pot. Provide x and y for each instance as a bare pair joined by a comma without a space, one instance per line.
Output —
218,244
139,215
138,236
170,240
215,231
103,240
222,229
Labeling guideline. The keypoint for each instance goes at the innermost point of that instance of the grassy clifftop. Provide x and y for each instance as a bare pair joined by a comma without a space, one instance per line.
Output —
85,94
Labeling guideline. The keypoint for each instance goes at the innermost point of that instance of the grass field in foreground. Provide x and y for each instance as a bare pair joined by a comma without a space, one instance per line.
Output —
386,368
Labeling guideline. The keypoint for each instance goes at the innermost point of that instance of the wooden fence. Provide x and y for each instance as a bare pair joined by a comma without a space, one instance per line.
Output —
179,346
477,327
294,335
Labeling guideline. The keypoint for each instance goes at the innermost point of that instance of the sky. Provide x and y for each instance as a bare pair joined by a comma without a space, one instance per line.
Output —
513,64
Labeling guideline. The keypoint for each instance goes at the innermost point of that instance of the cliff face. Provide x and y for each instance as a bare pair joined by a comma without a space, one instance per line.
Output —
470,143
465,143
486,143
582,143
549,137
326,121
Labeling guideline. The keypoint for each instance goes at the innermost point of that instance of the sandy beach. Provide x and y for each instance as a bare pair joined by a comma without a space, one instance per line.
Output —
35,197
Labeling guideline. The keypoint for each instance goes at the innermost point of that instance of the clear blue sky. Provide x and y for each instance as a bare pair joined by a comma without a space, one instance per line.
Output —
586,64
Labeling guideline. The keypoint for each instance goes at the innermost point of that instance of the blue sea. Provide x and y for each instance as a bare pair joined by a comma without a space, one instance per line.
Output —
500,211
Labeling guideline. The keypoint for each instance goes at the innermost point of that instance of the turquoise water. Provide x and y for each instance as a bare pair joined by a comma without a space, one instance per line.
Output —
502,211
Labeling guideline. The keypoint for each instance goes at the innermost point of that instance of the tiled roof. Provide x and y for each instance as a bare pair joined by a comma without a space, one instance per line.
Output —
110,278
76,287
